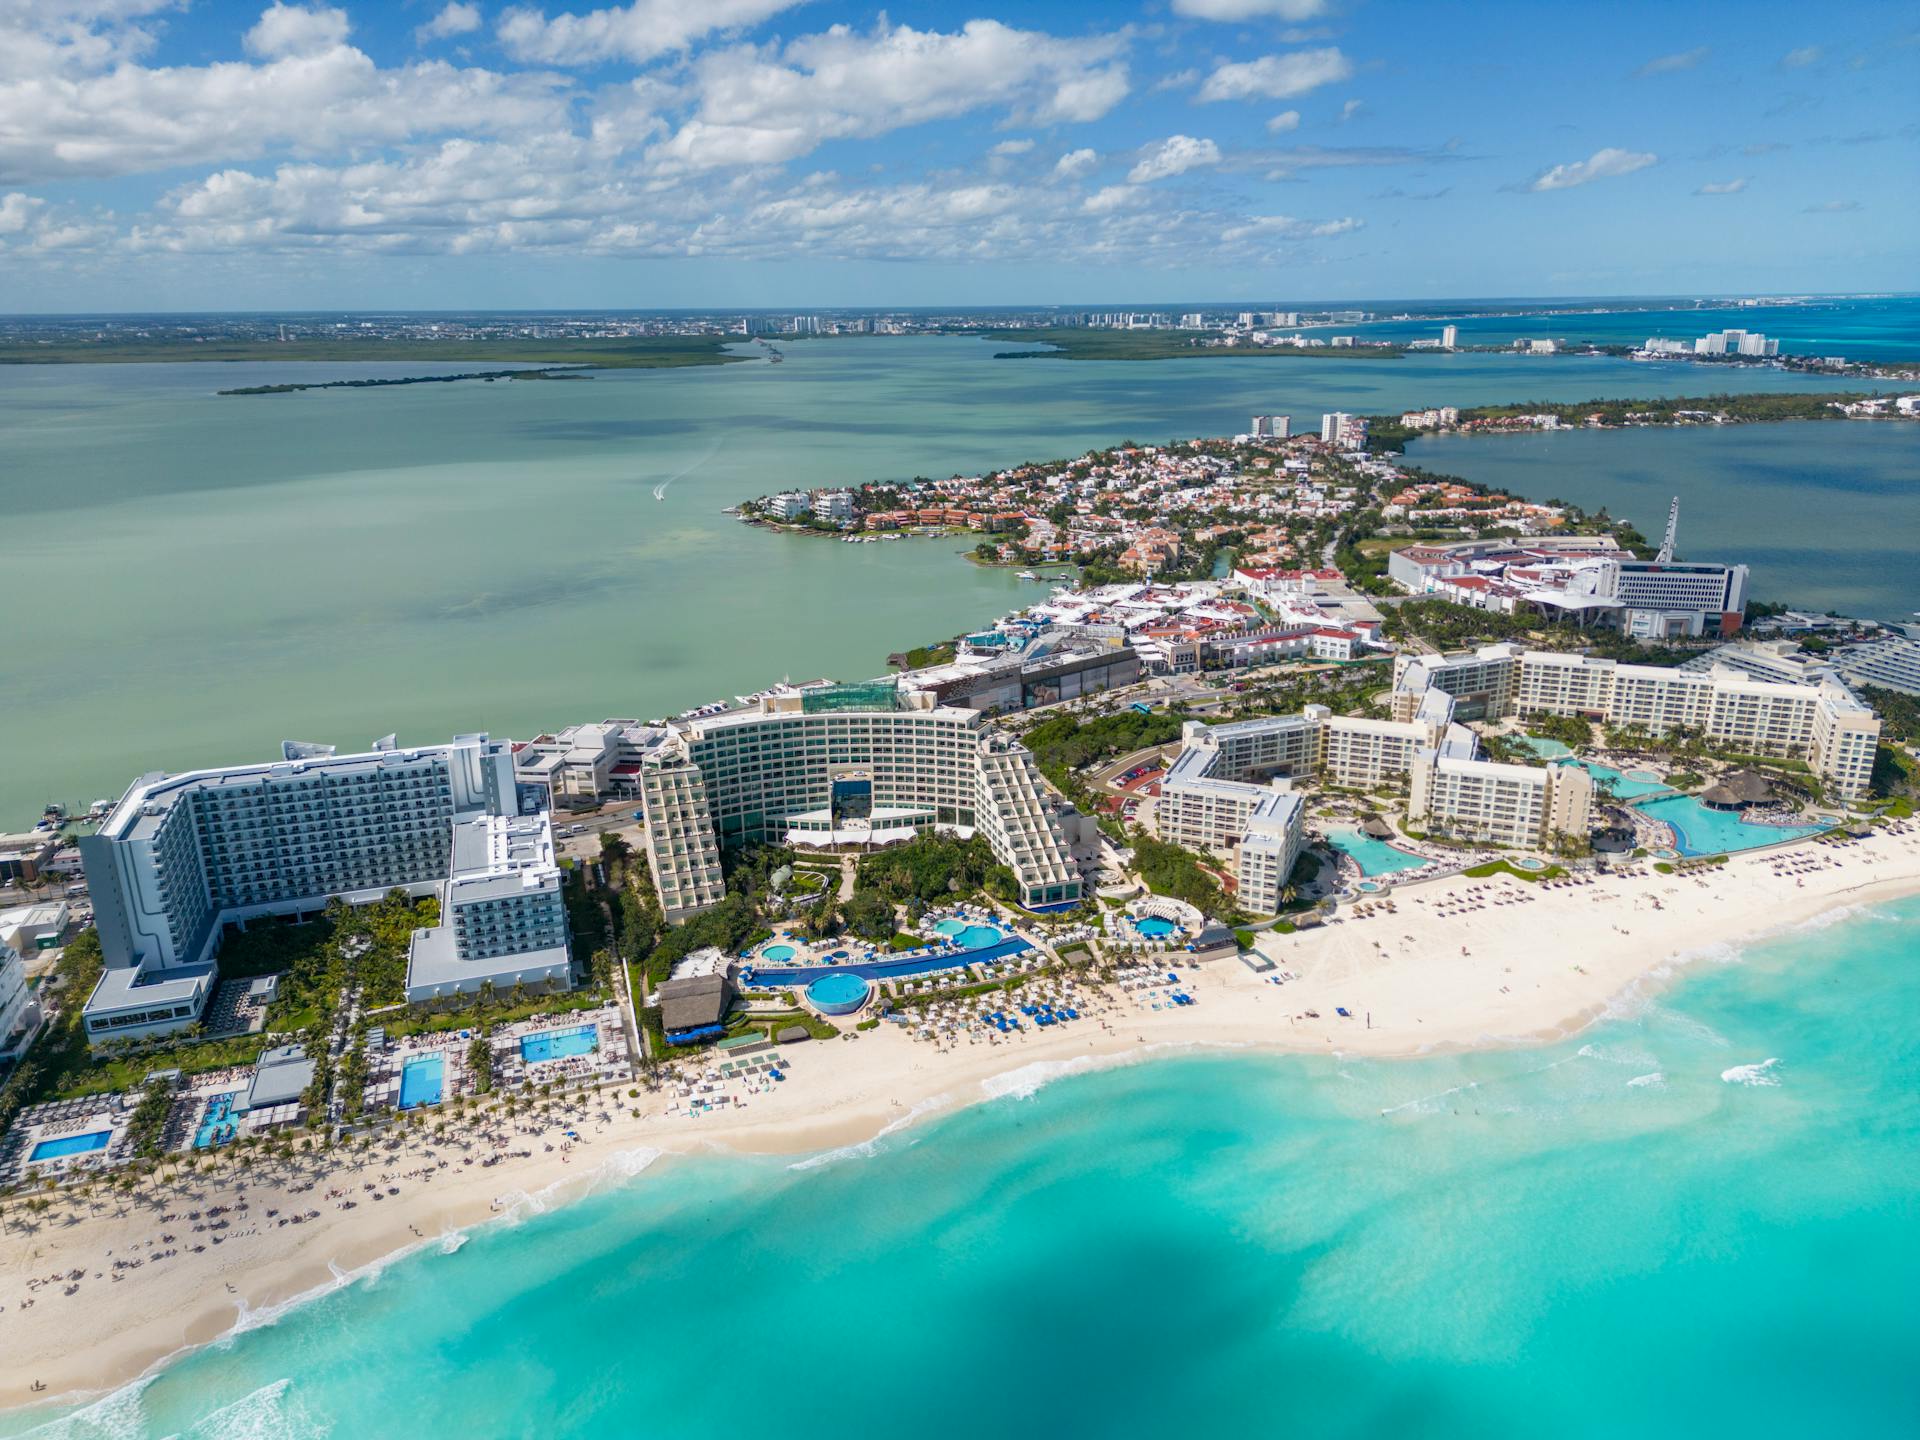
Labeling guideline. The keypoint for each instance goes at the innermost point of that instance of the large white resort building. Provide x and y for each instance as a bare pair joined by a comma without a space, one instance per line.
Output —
847,765
1824,724
1230,790
183,856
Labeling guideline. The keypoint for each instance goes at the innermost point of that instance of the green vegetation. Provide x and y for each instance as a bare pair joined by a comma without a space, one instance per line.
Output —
926,869
1082,344
566,374
637,352
921,656
869,914
1899,714
1171,870
1447,626
459,1012
1569,730
1063,744
1692,862
1665,410
146,1127
1502,867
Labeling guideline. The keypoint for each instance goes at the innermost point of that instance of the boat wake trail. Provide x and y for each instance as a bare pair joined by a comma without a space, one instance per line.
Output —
660,490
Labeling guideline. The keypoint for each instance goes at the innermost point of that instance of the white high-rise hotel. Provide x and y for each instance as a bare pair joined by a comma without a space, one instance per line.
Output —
183,856
851,764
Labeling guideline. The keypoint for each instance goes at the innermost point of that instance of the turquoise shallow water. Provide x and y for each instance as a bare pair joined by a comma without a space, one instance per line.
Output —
1704,831
1696,1219
1375,857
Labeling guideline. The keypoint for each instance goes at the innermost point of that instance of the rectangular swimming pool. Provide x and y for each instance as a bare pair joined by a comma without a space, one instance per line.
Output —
559,1044
422,1079
65,1145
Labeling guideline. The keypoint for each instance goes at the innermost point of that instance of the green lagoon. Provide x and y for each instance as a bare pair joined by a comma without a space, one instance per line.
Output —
197,577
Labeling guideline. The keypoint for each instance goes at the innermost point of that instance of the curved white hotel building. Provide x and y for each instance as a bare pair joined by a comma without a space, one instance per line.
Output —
841,765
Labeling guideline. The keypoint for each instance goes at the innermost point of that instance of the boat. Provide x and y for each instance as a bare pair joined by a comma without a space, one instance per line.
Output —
1028,575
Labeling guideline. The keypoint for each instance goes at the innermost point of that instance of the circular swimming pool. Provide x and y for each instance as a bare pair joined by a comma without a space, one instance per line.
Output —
838,993
1644,777
950,927
1529,862
976,937
1371,887
1666,854
777,954
1155,927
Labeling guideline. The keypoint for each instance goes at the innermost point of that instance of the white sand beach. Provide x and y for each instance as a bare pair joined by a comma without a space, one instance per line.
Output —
92,1294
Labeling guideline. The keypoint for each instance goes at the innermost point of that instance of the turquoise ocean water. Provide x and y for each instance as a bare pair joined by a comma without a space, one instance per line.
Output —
1878,328
1697,1219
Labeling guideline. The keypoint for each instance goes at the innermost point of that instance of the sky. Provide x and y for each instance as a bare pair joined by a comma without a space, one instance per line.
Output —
419,154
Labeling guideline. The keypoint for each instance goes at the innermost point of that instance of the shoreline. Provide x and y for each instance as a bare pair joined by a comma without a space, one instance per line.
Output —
1421,990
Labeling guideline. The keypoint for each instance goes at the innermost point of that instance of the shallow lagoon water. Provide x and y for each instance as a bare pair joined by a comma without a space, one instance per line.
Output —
223,573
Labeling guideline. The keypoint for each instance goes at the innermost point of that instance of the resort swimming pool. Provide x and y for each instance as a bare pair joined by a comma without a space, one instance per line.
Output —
219,1117
559,1044
422,1080
778,954
970,937
1375,857
838,993
1698,830
1626,785
65,1145
1155,927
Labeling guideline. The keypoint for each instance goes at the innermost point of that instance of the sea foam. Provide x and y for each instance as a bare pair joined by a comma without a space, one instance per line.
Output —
868,1148
1760,1075
1027,1081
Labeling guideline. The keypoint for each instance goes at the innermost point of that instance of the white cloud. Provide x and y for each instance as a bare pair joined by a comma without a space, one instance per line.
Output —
1799,59
17,212
1233,10
1283,122
41,37
453,19
1601,165
133,118
1672,64
759,107
1723,187
1075,163
28,225
1276,77
1175,155
1012,147
1113,197
642,31
1351,109
286,31
556,194
1287,227
1833,207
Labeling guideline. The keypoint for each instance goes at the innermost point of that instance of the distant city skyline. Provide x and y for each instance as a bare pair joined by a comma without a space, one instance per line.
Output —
748,154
